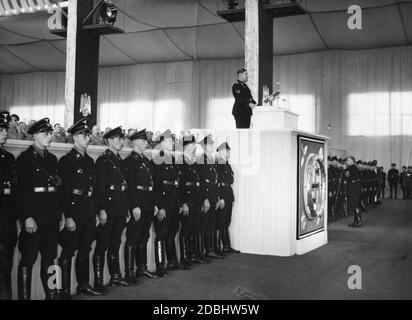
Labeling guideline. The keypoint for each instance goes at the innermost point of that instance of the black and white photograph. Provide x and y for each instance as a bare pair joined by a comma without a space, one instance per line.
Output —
201,157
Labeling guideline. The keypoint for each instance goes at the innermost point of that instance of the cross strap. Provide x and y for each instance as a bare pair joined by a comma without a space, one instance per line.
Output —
118,169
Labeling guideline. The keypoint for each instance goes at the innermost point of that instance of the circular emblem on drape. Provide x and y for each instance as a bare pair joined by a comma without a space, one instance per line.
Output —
314,187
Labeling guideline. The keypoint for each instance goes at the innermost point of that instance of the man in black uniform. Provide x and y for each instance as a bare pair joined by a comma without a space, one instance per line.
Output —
225,177
393,179
40,212
191,198
112,202
208,185
402,180
353,191
382,183
166,223
377,182
8,228
333,177
408,183
244,103
142,208
79,206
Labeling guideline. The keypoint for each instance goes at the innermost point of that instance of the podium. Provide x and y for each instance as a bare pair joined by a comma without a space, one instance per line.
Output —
268,117
280,190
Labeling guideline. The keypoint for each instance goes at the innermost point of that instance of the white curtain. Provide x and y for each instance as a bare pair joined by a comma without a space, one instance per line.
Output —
362,99
153,96
34,95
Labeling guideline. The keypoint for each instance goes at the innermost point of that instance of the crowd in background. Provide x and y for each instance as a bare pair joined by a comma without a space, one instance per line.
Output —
18,131
373,180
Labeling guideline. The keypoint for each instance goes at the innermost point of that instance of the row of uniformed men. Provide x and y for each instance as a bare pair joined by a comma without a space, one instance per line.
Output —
370,179
190,192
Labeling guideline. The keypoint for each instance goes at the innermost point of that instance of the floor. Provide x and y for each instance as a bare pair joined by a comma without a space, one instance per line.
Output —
381,249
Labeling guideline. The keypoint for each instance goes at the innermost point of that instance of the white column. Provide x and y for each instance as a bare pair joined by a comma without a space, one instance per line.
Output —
70,63
252,45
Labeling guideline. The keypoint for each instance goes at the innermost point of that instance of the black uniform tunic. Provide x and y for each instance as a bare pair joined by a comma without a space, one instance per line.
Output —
79,202
141,194
8,214
166,175
38,198
208,186
393,179
225,177
353,187
111,192
190,194
241,109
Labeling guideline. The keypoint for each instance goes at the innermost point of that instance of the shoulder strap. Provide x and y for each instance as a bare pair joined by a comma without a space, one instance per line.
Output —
117,167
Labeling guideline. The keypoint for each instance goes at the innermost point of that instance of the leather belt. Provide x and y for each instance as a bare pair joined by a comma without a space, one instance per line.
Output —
79,192
5,191
171,183
193,184
223,184
44,189
121,188
144,188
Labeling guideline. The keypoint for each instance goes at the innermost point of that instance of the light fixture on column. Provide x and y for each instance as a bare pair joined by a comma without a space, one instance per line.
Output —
108,12
232,4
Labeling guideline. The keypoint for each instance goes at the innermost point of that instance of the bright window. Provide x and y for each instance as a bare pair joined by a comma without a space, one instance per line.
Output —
380,114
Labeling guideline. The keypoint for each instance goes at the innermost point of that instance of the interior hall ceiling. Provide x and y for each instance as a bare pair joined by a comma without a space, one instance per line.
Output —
176,30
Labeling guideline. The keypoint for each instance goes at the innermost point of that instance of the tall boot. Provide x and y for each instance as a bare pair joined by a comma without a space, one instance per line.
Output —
3,286
160,256
24,282
82,273
172,263
217,243
209,247
194,250
188,251
141,262
362,206
116,279
3,273
7,282
129,257
226,242
50,294
356,219
66,270
184,253
98,266
359,218
201,248
174,253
